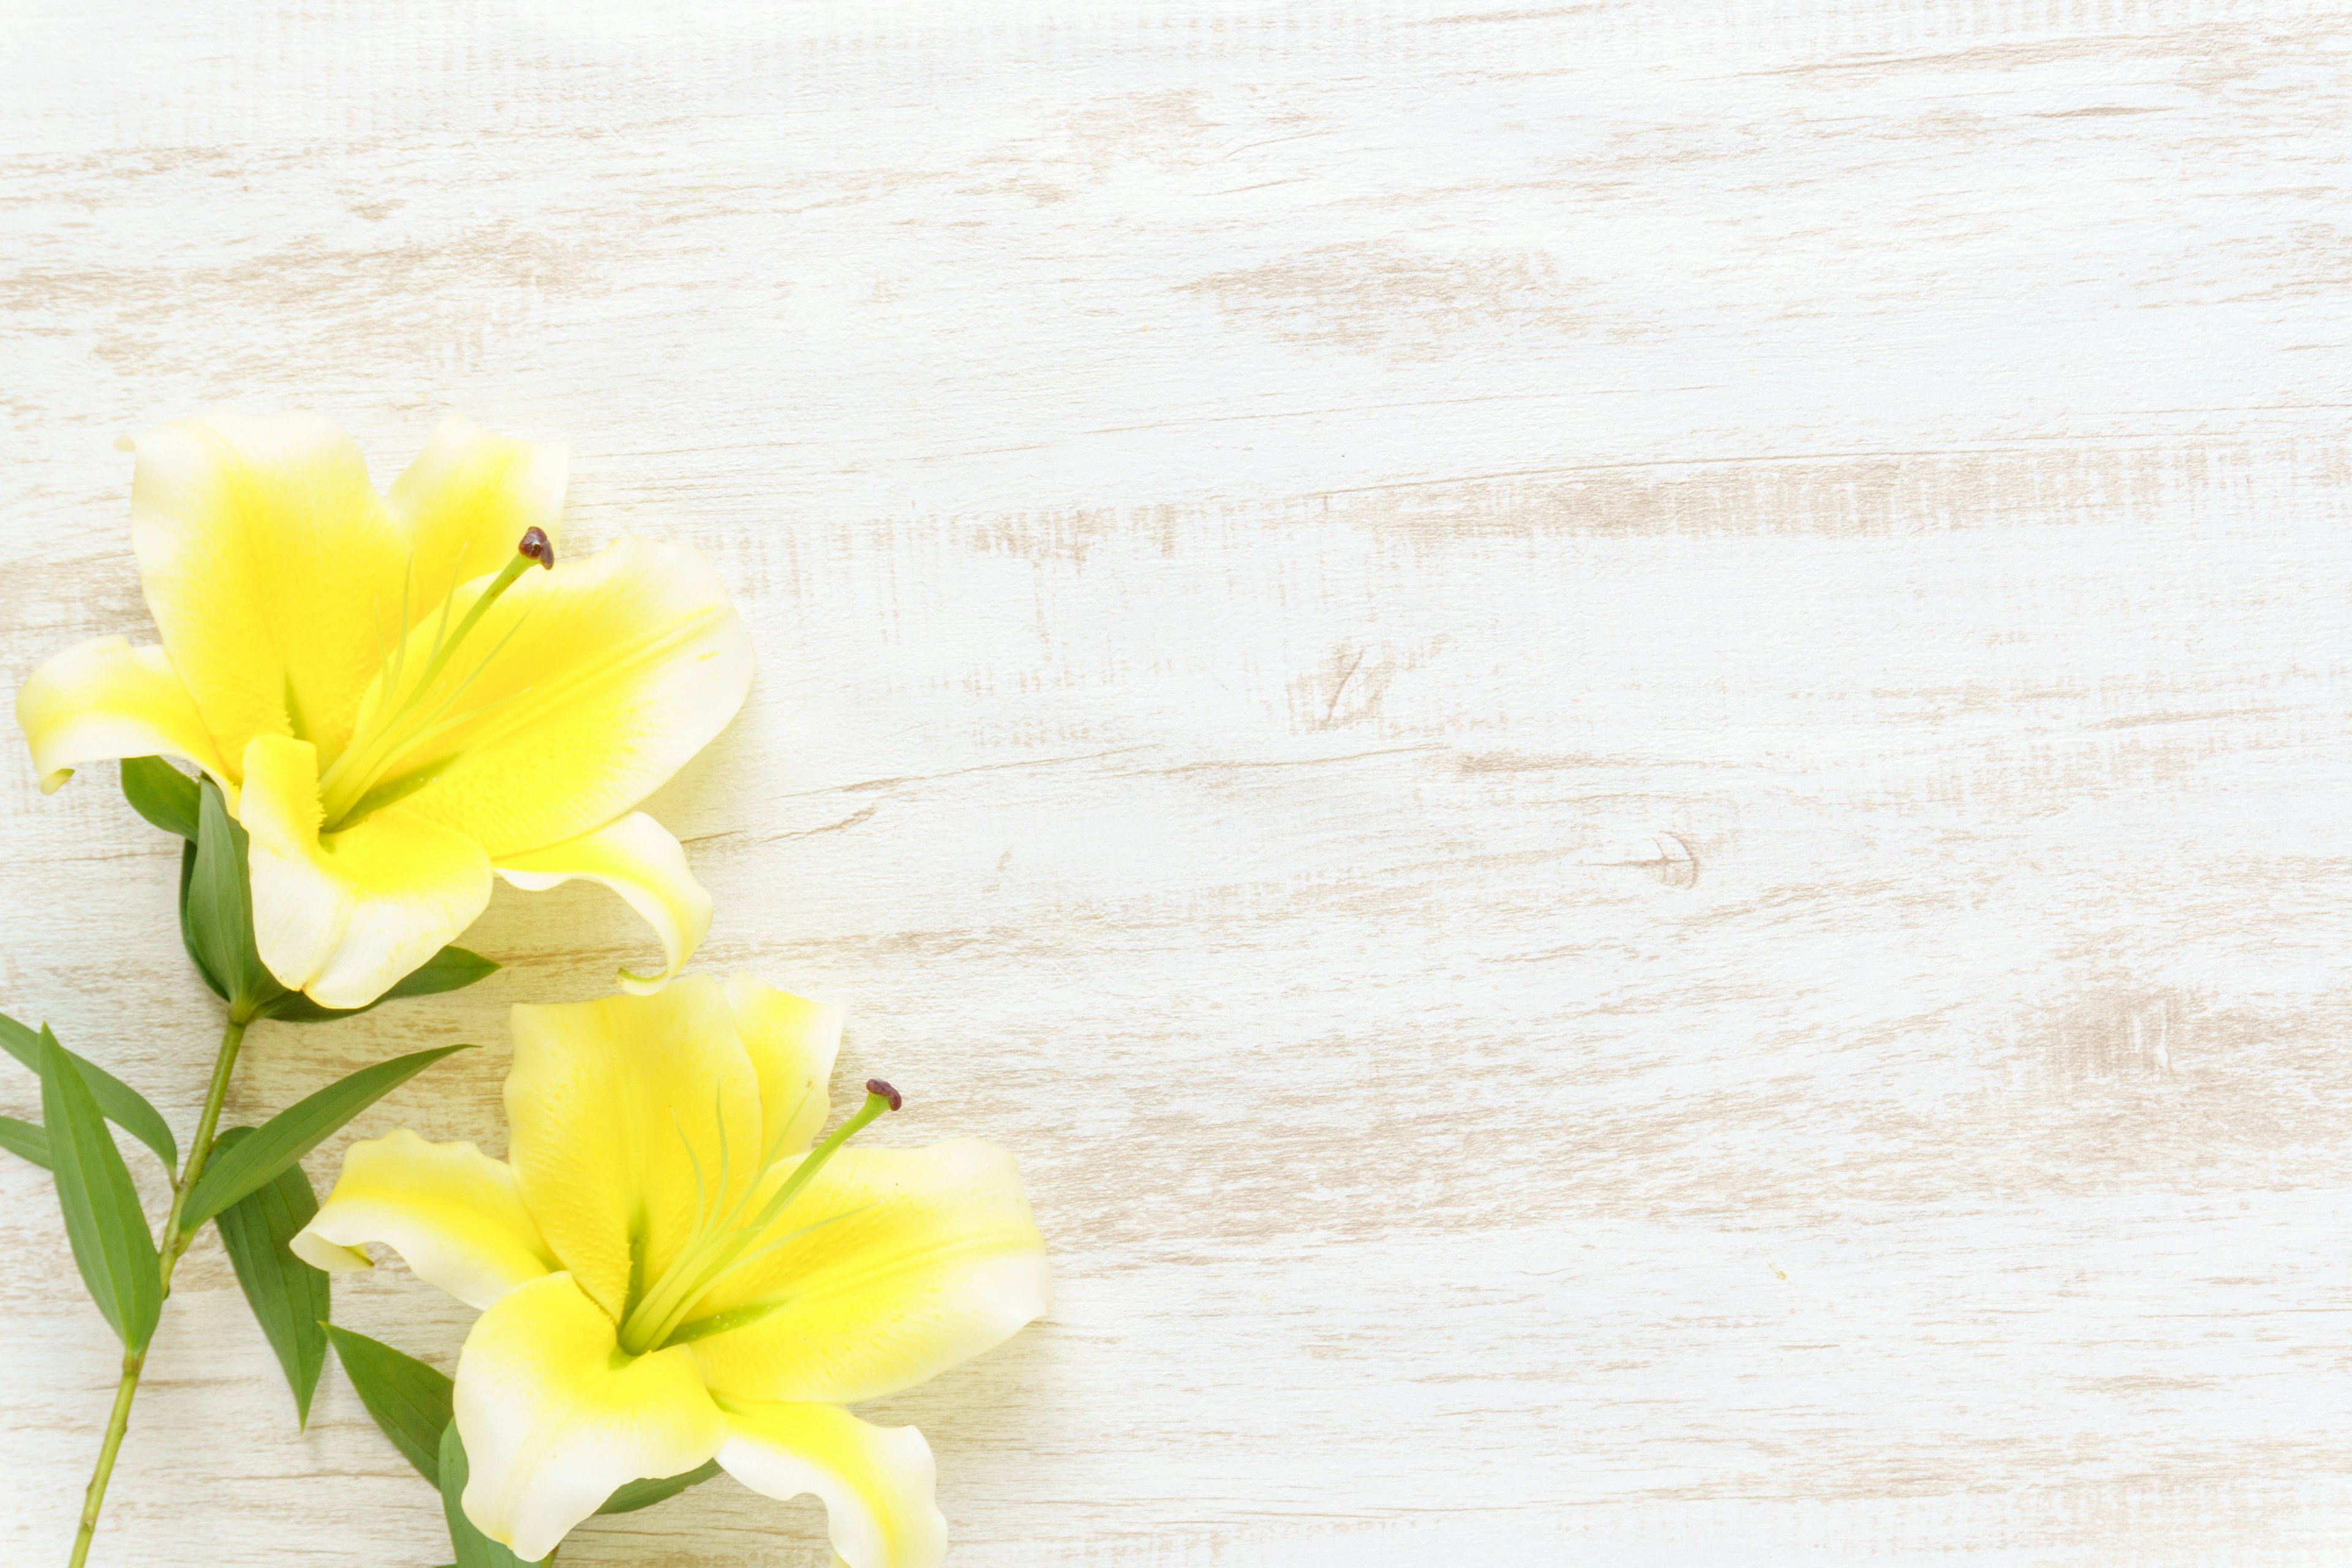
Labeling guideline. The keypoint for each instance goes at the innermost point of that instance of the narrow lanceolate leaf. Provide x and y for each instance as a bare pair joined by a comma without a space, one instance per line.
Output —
645,1494
451,969
117,1100
216,910
410,1400
188,925
293,1132
104,1221
29,1140
161,794
474,1549
289,1298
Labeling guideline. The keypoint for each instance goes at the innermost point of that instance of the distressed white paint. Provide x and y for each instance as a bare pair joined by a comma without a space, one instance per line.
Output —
1615,734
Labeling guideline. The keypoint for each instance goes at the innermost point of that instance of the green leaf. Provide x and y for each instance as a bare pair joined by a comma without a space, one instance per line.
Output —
188,925
117,1100
294,1131
451,969
103,1220
289,1297
645,1494
410,1400
474,1549
216,911
29,1139
161,794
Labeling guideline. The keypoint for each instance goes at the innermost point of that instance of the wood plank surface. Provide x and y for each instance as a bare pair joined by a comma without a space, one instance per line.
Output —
1618,734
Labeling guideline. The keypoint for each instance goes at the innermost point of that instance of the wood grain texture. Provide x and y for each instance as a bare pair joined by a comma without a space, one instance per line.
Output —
1617,737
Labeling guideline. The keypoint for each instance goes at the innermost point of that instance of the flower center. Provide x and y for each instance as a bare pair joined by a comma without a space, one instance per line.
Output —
407,714
728,1238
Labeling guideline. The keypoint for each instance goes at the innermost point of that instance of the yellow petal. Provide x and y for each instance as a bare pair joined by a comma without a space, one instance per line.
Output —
105,699
554,1418
331,1256
928,1258
344,916
581,691
792,1041
271,568
467,500
876,1481
448,1209
637,859
622,1115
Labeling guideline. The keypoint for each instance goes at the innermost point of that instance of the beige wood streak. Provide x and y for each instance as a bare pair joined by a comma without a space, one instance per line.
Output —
1617,736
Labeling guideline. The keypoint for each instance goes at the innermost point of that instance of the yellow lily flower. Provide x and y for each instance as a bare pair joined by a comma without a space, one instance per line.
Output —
394,705
670,1274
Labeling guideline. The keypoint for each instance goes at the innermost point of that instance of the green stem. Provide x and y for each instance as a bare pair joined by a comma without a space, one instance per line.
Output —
116,1425
175,1244
175,1241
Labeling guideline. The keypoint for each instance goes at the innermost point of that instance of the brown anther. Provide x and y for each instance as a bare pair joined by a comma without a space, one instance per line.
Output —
537,546
875,1086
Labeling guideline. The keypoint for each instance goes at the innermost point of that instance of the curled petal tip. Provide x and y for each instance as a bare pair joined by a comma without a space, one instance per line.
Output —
537,546
875,1086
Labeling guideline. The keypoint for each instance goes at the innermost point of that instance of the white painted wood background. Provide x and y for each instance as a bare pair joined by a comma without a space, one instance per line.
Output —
1616,734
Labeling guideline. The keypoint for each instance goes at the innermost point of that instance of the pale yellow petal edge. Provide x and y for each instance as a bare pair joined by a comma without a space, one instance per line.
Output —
637,859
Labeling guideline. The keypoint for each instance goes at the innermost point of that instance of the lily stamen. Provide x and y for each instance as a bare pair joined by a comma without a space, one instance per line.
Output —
717,1251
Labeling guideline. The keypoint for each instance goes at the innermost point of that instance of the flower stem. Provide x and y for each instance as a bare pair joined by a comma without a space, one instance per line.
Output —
168,1254
223,1063
116,1425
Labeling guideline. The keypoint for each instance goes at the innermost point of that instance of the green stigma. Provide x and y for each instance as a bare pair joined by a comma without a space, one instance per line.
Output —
726,1243
356,784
